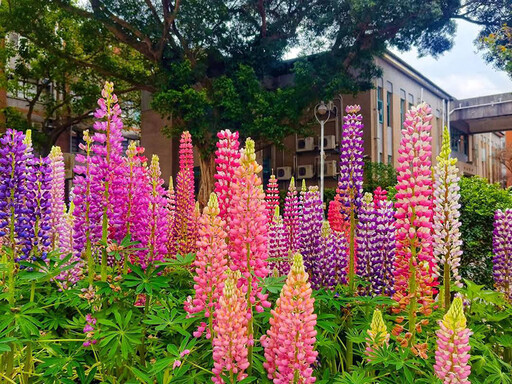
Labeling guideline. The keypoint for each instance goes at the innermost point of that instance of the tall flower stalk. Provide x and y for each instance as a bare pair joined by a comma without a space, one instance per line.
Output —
210,266
334,260
227,160
291,214
502,260
452,353
278,245
446,237
414,264
58,209
272,197
378,335
368,267
231,341
384,259
350,184
248,233
290,341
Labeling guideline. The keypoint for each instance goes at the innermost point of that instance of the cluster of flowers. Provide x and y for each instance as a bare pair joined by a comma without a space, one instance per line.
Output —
241,237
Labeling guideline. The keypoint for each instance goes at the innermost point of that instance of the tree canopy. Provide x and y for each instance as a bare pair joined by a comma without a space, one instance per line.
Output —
213,64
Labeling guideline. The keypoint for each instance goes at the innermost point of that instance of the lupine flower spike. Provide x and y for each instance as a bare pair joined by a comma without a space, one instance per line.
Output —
384,257
230,344
334,259
452,354
248,232
272,197
414,263
184,222
291,214
210,266
378,335
446,237
278,245
502,243
350,184
290,341
57,210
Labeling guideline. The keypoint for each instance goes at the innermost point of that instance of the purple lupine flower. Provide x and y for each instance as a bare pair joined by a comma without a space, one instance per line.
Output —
278,245
502,245
385,253
367,244
350,183
57,218
291,214
310,233
38,204
334,259
13,169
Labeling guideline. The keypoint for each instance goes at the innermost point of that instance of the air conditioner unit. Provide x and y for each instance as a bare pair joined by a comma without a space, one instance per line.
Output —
305,144
284,173
330,168
305,171
69,164
329,142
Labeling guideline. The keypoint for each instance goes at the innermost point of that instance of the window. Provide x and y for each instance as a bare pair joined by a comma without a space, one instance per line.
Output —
459,141
390,159
389,109
411,101
380,102
402,107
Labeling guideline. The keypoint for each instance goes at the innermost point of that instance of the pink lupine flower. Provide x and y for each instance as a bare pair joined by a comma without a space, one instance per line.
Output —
89,330
272,197
414,211
210,265
176,364
291,214
230,344
446,234
452,354
184,222
227,160
248,230
289,343
378,335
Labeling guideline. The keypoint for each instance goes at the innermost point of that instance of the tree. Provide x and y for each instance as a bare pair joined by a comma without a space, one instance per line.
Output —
213,64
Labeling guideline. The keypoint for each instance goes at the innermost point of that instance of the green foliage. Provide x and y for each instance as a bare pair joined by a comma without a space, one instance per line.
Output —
479,200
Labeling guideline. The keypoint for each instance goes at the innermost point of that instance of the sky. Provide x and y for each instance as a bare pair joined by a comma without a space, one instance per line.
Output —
462,71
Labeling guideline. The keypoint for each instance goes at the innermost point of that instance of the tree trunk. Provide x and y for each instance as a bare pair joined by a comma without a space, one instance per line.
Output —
207,168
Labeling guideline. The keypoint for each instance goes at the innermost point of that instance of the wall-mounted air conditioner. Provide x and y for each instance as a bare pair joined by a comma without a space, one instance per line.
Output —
69,164
305,171
284,173
330,168
329,142
305,144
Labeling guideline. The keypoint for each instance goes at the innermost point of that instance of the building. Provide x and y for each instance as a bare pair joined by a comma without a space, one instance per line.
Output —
383,110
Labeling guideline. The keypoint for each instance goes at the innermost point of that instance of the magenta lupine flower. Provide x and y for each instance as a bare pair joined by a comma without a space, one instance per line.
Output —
249,227
272,197
89,331
108,173
184,222
291,214
227,160
414,210
57,218
334,259
278,245
171,214
310,233
502,260
87,223
210,266
158,215
290,341
452,353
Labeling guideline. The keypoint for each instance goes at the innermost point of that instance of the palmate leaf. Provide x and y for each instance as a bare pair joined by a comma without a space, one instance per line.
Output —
356,377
